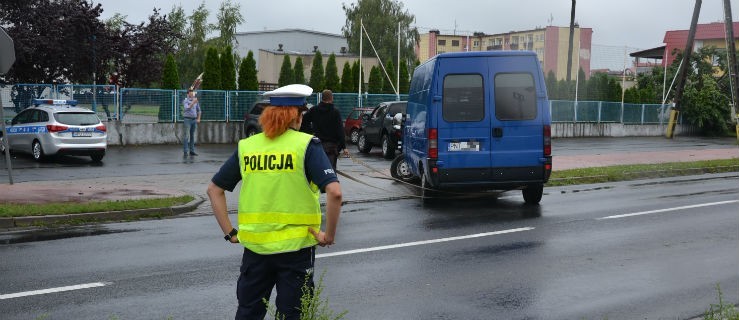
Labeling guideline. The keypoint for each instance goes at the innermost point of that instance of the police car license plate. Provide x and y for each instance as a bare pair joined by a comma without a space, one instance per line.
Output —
464,146
81,134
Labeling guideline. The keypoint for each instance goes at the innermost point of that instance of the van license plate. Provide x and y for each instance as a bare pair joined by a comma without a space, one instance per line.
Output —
464,146
81,134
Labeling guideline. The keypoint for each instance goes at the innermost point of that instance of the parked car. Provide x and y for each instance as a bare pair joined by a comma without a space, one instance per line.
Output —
353,123
378,129
57,127
251,118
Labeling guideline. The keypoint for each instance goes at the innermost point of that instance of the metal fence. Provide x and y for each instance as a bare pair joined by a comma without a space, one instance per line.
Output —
135,105
605,111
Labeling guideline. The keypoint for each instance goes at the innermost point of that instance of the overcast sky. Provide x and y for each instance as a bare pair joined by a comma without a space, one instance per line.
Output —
632,23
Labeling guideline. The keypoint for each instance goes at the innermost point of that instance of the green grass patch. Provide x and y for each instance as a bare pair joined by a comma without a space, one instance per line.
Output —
24,210
640,171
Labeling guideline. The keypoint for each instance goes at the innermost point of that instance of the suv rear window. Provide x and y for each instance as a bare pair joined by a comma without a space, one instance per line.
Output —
463,98
396,108
77,118
515,96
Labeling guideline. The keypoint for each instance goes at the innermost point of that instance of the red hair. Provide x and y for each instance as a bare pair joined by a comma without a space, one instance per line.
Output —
276,120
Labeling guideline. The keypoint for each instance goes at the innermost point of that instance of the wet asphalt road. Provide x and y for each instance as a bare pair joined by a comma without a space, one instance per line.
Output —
651,249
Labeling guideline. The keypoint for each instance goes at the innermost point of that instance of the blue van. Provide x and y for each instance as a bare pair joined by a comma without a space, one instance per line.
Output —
479,121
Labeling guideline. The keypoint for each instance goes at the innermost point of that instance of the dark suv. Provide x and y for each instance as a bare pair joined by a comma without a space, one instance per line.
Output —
251,118
379,129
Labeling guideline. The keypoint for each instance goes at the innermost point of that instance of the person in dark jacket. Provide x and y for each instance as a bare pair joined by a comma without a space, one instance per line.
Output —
324,122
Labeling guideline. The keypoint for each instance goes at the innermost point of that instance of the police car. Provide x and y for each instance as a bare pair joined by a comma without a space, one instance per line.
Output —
57,127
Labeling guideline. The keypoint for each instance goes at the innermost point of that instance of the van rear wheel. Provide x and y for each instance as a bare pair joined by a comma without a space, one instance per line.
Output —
532,194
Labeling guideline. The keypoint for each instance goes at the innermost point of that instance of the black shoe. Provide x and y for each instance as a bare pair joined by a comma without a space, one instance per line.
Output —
184,155
192,153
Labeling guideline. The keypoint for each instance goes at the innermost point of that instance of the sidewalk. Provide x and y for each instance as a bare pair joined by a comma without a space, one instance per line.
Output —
360,183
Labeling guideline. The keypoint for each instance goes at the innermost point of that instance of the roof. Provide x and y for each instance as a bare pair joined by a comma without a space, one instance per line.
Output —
290,31
654,53
705,31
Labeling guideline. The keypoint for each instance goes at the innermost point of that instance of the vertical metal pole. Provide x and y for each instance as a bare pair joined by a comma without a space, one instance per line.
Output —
623,85
733,70
397,79
569,50
8,163
94,76
361,71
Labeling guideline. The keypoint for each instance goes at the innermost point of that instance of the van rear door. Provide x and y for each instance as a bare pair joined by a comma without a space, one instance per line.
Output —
462,120
516,120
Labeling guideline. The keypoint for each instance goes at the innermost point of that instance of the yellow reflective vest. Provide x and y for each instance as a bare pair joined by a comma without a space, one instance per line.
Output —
277,203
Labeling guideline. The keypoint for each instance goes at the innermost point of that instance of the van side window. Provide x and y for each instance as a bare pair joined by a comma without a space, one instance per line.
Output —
515,96
463,98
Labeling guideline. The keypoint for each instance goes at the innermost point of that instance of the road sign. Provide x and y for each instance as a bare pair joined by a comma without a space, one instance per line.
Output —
7,52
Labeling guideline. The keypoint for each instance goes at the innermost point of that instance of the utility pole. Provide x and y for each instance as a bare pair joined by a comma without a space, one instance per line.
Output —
733,71
572,35
682,74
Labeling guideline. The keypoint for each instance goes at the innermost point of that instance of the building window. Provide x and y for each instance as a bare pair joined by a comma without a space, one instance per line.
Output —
442,42
455,43
476,43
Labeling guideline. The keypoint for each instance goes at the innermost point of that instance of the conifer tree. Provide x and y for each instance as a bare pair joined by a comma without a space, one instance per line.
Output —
347,79
228,70
170,75
212,71
298,71
331,81
316,72
374,85
248,73
286,73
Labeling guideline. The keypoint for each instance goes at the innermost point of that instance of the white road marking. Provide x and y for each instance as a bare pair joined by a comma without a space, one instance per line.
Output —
668,209
54,290
419,243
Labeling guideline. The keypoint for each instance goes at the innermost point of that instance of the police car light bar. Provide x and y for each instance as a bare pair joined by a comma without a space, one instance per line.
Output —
56,102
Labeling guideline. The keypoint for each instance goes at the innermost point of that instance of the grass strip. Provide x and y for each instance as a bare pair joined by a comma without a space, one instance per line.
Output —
640,171
8,210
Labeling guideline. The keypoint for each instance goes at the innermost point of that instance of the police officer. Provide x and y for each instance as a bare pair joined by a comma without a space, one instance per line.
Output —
282,172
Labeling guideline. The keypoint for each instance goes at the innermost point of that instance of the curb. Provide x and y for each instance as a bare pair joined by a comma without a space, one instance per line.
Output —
30,221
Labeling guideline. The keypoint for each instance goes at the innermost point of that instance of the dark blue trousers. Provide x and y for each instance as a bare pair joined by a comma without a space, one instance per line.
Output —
260,273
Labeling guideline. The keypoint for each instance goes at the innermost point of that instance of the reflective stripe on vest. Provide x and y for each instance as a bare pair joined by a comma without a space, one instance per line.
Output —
277,203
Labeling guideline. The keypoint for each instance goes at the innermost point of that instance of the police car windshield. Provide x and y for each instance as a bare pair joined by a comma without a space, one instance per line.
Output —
77,118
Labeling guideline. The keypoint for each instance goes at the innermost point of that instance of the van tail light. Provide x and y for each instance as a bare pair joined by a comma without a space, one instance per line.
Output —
547,140
55,128
433,136
101,128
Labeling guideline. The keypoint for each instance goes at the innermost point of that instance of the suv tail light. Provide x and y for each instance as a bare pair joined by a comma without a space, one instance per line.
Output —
433,136
547,140
101,128
55,128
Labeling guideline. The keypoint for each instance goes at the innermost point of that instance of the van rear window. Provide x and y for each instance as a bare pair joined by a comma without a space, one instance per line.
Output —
515,96
463,98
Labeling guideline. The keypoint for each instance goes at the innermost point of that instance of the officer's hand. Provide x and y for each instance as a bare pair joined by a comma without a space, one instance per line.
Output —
321,237
234,240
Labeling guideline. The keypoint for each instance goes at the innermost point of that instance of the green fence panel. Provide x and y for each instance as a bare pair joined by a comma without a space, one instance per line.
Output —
610,111
239,103
562,111
587,111
632,113
145,105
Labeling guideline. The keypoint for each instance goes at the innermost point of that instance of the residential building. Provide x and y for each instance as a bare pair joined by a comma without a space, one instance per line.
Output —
709,34
551,45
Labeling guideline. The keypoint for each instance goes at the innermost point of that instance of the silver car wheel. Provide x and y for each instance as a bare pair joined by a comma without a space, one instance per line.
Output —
37,150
